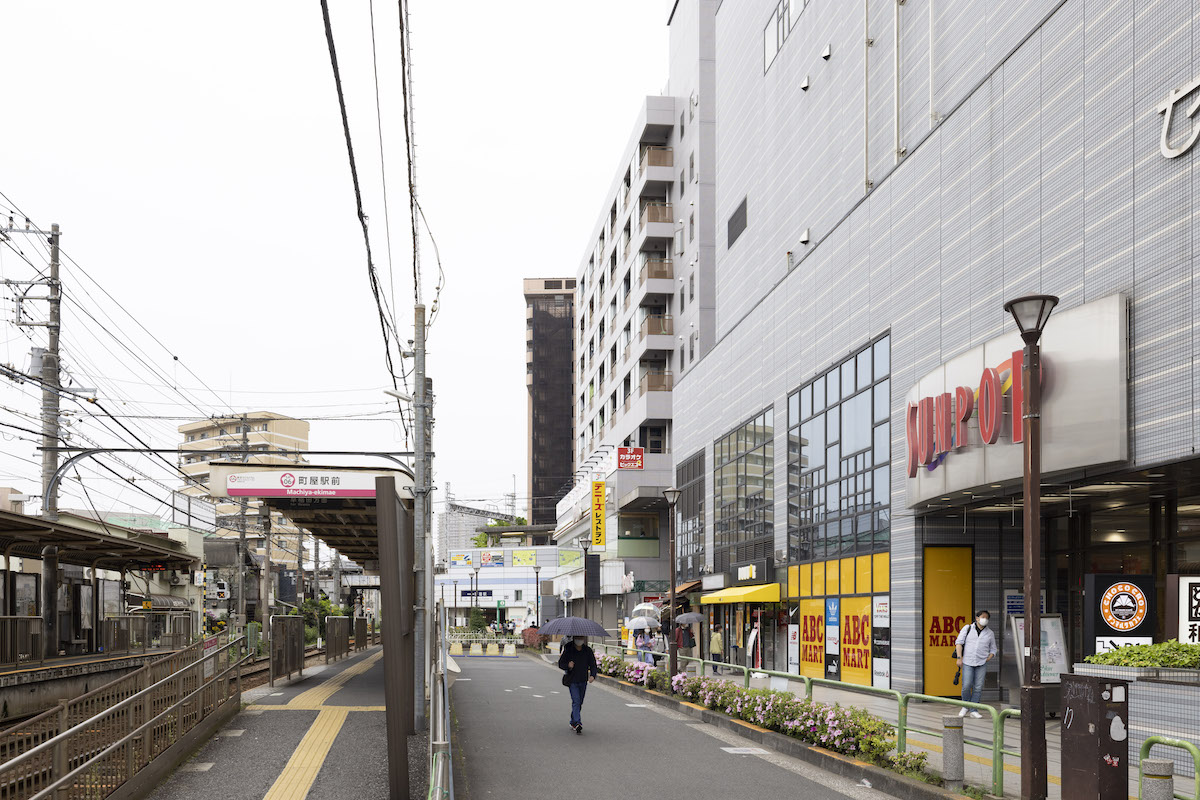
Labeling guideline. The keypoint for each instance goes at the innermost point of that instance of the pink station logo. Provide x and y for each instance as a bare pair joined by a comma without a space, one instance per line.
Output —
287,480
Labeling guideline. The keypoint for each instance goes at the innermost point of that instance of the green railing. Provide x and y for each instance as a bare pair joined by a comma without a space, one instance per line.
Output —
1144,753
902,700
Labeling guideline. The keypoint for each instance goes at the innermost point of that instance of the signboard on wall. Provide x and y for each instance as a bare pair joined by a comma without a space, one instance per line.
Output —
832,640
812,638
793,649
946,609
524,558
1120,611
1183,608
598,514
631,457
958,425
856,640
460,559
491,558
881,642
1055,656
300,483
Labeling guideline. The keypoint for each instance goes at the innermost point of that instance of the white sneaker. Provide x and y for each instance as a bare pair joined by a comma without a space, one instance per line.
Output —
962,712
976,715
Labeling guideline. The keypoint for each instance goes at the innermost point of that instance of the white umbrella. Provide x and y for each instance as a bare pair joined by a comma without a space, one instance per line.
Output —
646,610
643,624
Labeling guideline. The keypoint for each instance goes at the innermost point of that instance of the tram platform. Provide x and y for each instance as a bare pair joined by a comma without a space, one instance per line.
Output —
321,735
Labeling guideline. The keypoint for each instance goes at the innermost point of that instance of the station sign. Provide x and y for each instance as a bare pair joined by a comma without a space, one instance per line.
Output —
959,418
300,483
631,457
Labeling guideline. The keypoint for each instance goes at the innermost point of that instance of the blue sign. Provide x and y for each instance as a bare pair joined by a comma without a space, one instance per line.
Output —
832,607
476,593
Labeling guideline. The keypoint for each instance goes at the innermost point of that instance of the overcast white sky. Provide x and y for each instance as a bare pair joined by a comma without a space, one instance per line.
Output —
193,154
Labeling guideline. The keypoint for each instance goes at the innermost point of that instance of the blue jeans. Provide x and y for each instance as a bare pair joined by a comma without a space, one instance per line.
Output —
972,682
578,690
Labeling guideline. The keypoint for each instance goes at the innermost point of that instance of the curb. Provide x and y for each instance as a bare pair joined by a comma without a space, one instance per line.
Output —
881,779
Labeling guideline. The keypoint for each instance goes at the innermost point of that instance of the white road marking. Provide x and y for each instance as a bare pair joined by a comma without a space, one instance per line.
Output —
636,705
745,751
462,679
526,687
275,694
203,766
232,732
554,691
540,695
508,690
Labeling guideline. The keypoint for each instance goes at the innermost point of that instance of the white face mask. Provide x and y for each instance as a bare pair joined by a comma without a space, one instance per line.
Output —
579,640
983,621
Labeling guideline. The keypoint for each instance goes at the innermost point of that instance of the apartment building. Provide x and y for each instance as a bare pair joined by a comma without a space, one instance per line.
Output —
549,372
645,314
256,438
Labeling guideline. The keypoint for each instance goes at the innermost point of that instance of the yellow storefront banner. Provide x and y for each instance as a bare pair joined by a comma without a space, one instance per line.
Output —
598,513
812,638
947,608
524,558
856,640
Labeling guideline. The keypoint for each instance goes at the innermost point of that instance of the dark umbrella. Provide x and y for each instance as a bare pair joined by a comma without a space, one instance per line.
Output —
572,626
689,618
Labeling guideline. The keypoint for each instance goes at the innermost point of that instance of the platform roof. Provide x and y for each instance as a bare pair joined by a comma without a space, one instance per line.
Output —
25,536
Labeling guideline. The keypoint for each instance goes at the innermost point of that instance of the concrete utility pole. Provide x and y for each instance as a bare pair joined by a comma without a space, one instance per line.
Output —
264,585
242,550
50,376
420,519
337,579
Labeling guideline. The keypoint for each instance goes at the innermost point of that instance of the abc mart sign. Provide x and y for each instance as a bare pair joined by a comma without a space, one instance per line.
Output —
1084,363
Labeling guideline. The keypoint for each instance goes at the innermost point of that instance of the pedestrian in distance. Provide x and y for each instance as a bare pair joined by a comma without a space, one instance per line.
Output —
644,644
974,648
578,661
716,646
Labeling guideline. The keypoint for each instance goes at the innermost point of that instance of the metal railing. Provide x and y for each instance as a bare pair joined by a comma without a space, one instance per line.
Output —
655,211
656,268
1194,751
656,157
124,634
656,382
998,717
49,723
337,638
361,639
657,325
21,641
94,756
287,646
170,629
441,777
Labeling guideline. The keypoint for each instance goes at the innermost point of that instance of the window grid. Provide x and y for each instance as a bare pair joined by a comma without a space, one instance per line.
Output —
744,492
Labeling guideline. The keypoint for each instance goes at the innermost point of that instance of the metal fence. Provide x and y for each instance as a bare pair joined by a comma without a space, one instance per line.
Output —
362,639
998,717
90,746
287,646
337,638
21,641
168,629
441,777
123,634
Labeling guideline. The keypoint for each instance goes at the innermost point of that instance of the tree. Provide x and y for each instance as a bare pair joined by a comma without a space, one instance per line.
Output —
480,540
478,622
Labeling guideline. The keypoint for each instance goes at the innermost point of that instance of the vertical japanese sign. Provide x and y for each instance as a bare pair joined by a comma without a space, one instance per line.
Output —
598,513
948,597
812,638
1189,610
832,640
856,640
881,642
793,649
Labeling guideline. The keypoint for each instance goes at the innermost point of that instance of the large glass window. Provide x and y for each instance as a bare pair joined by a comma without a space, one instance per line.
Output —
744,493
689,527
839,448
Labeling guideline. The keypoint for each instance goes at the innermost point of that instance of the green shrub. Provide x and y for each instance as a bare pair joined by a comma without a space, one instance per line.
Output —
910,762
1164,654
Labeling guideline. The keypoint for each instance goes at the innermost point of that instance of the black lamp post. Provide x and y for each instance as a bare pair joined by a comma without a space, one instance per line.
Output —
456,600
1031,313
475,592
585,543
537,594
672,496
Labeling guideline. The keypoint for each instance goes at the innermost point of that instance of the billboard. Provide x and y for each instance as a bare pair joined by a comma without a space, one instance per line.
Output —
631,457
524,558
491,558
598,514
947,608
856,640
460,559
300,483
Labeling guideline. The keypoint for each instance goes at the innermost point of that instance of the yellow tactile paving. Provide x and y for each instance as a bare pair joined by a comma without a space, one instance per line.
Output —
320,708
302,768
316,696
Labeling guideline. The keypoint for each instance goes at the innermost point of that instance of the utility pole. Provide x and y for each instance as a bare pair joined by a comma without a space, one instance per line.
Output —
264,585
420,520
240,628
50,375
337,579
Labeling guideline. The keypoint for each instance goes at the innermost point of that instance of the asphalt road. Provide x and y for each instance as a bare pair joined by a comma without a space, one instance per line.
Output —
512,733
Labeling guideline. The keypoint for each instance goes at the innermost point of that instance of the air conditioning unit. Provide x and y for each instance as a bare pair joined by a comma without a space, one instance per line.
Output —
175,579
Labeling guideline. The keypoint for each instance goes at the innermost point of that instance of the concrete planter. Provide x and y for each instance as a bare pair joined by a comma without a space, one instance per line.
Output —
1116,673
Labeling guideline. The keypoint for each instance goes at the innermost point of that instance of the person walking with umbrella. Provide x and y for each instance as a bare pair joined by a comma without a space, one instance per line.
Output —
579,662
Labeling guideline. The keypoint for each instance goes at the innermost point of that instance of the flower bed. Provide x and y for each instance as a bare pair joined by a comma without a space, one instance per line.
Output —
633,672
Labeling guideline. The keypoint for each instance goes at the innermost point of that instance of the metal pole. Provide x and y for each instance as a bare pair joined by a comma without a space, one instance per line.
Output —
426,678
537,596
337,579
392,586
50,376
239,628
1033,696
264,512
672,648
584,544
421,496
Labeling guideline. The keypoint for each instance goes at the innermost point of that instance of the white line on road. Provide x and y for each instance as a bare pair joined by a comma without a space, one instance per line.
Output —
745,751
508,690
554,691
232,732
462,679
203,766
523,686
636,705
540,695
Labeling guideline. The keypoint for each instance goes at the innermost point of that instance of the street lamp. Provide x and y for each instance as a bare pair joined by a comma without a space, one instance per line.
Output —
456,601
585,542
672,496
537,594
1031,313
475,593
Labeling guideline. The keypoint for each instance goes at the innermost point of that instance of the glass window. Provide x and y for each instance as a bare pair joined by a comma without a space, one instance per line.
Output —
848,378
818,391
806,408
882,354
832,423
883,401
883,442
863,369
832,387
856,423
794,409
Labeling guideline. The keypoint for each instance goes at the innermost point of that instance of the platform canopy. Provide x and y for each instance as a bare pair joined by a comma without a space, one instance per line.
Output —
24,536
335,504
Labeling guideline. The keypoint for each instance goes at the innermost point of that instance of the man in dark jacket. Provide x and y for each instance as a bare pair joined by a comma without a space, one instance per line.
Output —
579,662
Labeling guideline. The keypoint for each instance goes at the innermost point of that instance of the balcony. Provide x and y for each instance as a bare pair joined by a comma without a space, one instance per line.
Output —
628,348
591,402
655,212
628,403
655,268
657,325
656,381
656,157
625,301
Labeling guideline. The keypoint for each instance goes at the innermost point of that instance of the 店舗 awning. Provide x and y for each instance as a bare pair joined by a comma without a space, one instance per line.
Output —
761,593
687,588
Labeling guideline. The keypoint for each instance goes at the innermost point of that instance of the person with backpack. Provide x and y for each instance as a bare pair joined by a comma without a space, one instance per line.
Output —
974,648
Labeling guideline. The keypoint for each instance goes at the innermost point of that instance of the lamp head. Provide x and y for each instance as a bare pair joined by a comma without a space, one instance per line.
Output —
672,496
1031,314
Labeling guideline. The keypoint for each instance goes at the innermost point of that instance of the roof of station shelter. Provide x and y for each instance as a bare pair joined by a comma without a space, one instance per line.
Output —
334,503
25,536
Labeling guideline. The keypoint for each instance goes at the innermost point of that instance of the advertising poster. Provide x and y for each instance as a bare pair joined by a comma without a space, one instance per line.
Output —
570,558
524,558
832,640
812,638
793,649
25,595
856,640
460,559
947,608
491,558
881,642
1055,660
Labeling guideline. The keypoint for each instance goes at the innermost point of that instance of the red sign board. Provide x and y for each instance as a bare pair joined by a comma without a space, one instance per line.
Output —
630,457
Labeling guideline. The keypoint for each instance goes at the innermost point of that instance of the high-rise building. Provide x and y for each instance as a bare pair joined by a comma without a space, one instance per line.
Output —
549,360
255,437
